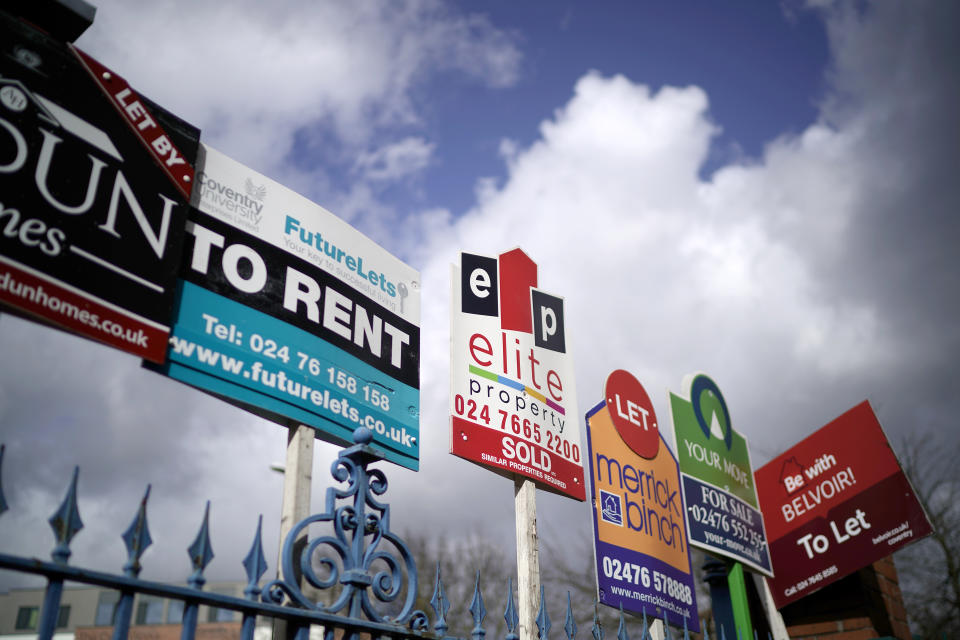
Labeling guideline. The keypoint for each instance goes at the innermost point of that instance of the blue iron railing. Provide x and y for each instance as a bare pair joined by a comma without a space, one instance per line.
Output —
365,578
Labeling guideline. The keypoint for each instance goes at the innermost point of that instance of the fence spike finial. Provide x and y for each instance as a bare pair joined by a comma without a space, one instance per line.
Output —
667,633
570,625
510,615
703,626
686,631
200,551
66,521
478,611
622,629
440,605
597,629
137,538
645,631
3,501
254,563
543,618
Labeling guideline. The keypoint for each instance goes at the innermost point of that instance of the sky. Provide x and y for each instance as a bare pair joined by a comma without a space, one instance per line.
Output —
765,193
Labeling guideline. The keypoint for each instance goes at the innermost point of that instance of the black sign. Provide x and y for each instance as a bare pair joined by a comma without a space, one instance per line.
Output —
94,184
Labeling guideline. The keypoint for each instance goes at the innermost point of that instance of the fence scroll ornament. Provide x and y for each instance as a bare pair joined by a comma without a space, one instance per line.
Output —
354,558
359,529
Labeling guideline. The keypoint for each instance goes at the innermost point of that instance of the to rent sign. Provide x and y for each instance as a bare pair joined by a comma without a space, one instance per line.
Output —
294,314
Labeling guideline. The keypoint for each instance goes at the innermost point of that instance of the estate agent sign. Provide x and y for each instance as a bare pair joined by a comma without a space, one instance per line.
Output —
294,314
94,182
836,502
723,515
512,397
640,536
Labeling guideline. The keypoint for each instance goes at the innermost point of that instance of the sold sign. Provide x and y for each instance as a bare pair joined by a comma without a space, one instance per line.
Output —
632,413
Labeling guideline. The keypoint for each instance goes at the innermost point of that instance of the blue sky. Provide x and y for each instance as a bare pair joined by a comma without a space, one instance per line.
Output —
764,193
762,67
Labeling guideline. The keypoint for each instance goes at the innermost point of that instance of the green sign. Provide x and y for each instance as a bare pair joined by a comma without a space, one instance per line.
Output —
708,448
722,511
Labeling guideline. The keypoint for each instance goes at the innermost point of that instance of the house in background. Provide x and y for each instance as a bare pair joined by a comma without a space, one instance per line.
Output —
87,613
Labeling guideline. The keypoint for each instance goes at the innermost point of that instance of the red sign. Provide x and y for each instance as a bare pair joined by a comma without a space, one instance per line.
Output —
834,503
512,400
632,414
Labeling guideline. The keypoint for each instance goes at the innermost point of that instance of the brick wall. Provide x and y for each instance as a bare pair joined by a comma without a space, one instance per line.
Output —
861,606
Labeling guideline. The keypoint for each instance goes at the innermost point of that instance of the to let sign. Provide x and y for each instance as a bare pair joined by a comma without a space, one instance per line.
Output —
512,395
640,535
836,502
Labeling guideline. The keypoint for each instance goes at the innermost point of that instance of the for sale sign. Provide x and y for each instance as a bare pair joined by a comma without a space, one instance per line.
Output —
723,514
836,502
512,395
640,537
294,314
94,183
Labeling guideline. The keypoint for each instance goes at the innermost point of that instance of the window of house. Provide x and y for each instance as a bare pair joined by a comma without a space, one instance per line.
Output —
149,610
27,618
216,614
63,616
175,612
106,608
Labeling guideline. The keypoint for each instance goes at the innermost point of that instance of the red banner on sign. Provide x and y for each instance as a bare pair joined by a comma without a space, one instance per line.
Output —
142,123
39,295
834,503
513,454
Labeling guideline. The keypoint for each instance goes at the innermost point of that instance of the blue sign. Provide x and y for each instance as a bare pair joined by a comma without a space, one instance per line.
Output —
289,312
640,538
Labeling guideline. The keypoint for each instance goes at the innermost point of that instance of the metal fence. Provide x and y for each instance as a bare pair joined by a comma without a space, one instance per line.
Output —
361,580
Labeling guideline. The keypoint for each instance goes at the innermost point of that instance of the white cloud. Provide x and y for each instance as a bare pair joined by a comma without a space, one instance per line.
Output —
255,75
395,160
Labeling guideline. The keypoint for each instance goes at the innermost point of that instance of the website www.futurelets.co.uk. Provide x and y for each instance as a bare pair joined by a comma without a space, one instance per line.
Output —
262,376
